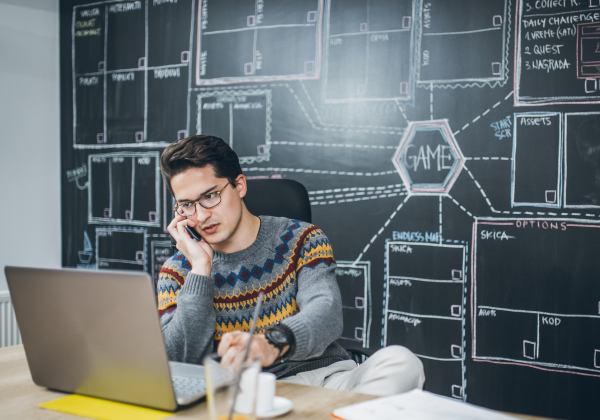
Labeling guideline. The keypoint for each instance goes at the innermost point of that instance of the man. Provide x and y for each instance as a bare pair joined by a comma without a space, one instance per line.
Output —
208,290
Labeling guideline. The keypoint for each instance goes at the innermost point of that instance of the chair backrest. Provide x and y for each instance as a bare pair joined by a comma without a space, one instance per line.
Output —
278,197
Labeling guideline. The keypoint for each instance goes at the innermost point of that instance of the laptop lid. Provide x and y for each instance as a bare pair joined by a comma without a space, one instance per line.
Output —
94,333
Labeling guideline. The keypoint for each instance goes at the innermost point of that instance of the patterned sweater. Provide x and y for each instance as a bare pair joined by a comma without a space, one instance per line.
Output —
291,262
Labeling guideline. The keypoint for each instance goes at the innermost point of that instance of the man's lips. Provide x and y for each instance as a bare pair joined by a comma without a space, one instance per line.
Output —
210,228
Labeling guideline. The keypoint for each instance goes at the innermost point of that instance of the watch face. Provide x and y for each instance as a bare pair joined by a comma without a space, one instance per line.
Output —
279,337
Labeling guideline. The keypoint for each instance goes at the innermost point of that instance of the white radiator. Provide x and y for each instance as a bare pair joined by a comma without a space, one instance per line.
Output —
9,332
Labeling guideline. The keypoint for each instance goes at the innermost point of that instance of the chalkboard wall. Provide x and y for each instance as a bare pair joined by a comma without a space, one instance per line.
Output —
451,150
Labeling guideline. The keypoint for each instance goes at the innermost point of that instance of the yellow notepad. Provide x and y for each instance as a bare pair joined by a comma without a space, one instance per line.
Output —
95,408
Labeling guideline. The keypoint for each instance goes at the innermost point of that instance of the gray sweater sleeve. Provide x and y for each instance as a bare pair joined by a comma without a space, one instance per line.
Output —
319,321
188,330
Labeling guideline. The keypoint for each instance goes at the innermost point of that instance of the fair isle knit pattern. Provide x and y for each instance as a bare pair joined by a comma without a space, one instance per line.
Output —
301,247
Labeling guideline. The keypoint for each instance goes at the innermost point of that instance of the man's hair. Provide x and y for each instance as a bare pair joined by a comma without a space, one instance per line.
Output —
198,152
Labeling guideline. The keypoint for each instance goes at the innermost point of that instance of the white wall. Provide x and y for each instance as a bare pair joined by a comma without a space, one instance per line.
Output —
29,135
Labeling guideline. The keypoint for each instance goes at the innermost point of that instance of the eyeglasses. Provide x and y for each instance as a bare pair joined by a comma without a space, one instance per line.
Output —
208,201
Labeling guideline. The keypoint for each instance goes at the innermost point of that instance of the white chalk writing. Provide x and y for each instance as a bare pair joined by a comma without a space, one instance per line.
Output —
166,73
354,272
258,60
88,81
203,58
542,225
493,234
379,37
123,77
231,99
76,173
400,282
248,105
90,12
88,32
125,7
548,320
547,64
405,319
213,105
427,15
401,248
486,312
204,14
424,156
416,236
535,121
85,23
502,128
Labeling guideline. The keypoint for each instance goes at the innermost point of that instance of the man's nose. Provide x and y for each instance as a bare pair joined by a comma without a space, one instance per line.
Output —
202,214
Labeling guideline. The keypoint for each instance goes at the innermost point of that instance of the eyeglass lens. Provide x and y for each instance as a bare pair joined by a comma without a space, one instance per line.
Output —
188,209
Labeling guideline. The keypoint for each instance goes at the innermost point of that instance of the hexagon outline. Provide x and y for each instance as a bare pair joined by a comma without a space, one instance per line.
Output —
429,189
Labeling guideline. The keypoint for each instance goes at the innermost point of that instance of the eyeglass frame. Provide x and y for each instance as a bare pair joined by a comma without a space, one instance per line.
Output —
195,202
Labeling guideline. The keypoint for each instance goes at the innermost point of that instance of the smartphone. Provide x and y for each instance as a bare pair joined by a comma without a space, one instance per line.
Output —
193,234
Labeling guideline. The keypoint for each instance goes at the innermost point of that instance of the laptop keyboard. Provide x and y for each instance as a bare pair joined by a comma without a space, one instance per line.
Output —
188,385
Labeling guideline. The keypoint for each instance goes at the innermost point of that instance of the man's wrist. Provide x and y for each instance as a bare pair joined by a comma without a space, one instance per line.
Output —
282,337
200,270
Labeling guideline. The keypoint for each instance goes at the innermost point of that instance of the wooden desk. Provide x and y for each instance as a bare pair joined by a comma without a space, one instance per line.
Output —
20,397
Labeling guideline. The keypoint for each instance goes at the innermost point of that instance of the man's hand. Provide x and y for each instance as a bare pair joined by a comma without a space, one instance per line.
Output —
233,345
199,254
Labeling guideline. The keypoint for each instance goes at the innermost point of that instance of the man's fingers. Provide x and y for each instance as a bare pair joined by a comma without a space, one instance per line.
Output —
230,356
172,228
256,352
180,226
228,340
224,344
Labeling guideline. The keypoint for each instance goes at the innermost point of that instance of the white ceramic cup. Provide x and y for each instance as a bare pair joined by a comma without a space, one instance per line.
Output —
266,392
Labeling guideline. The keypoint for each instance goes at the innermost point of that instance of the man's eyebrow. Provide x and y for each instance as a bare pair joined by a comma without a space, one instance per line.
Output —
184,200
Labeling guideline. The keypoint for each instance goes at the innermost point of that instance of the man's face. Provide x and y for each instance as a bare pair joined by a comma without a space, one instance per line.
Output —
219,224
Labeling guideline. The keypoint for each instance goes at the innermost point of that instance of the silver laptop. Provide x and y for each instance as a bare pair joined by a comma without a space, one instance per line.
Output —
98,333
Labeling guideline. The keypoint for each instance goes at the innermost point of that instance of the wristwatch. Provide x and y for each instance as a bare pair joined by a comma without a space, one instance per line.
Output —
280,336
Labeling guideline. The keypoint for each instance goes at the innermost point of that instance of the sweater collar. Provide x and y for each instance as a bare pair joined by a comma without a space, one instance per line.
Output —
261,238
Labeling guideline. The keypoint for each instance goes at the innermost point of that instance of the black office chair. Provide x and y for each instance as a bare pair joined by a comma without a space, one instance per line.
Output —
288,198
278,197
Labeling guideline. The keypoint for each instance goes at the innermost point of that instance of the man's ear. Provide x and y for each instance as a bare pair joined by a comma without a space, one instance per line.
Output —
241,186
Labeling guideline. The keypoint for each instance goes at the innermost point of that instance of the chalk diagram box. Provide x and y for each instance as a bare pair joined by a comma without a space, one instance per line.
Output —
537,160
582,153
370,49
448,378
169,44
241,118
88,39
425,308
521,314
354,280
89,110
479,34
441,298
125,103
124,188
121,248
560,73
167,113
121,70
588,52
125,35
257,37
